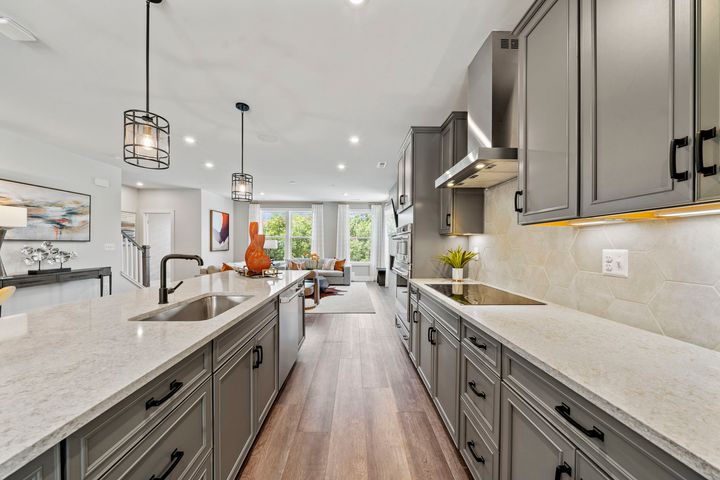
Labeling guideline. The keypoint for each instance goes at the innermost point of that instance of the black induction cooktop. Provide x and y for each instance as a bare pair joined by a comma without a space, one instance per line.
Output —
479,294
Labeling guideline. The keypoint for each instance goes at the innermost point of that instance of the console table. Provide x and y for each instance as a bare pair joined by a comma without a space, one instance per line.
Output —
23,281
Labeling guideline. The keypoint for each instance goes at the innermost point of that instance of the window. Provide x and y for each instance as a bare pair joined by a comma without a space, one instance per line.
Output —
360,236
289,228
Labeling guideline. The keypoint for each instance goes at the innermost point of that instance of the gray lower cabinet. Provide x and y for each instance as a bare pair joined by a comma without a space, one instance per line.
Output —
636,104
548,151
45,467
233,397
266,371
445,369
531,447
425,349
414,328
480,456
175,448
587,470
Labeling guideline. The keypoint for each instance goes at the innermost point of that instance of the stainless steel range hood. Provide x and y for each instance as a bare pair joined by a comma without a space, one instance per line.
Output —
492,126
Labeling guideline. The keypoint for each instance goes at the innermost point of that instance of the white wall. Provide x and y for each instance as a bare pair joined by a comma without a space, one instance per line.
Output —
128,199
27,160
186,205
211,201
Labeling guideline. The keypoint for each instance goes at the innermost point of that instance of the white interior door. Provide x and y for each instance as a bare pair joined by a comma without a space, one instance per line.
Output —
158,227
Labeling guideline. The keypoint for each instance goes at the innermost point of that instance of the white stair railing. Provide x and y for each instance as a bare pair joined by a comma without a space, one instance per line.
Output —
135,261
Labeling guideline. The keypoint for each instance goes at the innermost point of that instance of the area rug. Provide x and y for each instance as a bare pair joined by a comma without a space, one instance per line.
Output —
346,299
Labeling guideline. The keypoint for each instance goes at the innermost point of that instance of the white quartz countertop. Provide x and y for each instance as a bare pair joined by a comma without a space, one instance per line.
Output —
62,367
666,390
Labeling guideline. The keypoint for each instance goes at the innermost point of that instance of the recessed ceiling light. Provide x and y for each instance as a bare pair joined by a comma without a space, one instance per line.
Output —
209,165
139,184
341,166
354,139
3,20
345,194
262,193
190,140
357,2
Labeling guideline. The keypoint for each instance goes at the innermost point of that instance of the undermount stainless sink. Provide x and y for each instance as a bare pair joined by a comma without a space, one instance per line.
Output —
203,308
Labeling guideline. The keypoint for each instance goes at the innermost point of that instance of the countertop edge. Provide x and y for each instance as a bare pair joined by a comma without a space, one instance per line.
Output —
21,458
679,452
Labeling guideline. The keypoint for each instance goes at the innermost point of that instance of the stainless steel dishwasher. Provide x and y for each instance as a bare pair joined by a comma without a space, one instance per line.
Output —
292,311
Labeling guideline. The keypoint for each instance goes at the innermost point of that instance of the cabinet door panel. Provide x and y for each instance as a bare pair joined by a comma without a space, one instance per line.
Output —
446,396
400,199
447,154
637,96
548,137
587,470
233,413
408,183
425,360
414,333
266,374
708,97
531,447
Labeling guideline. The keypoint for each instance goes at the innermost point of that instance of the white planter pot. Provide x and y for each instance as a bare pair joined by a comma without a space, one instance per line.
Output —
457,274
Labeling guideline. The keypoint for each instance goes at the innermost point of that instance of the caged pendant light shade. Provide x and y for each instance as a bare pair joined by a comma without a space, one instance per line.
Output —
242,183
146,134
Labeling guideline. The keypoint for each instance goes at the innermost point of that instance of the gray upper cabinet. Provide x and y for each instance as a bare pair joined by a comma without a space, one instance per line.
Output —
461,209
531,447
405,174
400,194
548,114
636,104
708,101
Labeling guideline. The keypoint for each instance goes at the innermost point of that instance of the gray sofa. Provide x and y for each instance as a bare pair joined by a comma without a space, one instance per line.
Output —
334,277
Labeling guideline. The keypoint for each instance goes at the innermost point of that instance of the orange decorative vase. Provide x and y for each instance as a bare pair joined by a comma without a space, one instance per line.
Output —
255,258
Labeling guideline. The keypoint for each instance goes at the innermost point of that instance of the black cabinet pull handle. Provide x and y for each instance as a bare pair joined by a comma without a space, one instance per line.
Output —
175,386
175,458
471,447
414,316
402,199
595,432
256,353
430,332
704,135
474,389
474,341
405,337
674,174
518,208
262,354
560,469
447,219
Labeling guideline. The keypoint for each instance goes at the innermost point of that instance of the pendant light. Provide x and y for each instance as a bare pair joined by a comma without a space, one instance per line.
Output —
147,135
242,183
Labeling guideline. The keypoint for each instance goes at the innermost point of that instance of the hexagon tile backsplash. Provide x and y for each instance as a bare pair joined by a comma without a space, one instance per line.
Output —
674,282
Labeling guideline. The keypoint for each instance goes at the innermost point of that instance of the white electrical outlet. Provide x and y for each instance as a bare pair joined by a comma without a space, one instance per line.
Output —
109,247
615,263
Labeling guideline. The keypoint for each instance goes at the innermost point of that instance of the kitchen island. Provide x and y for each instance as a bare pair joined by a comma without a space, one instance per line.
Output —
63,367
627,402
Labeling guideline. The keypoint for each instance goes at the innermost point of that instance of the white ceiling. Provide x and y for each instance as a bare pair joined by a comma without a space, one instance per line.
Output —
314,72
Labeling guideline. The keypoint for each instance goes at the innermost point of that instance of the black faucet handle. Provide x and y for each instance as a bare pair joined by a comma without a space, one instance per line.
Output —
172,290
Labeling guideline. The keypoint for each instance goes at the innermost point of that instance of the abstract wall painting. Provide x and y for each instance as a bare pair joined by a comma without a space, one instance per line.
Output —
219,231
54,215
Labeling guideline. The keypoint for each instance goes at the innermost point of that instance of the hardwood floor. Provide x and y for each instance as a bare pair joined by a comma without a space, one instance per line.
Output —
354,408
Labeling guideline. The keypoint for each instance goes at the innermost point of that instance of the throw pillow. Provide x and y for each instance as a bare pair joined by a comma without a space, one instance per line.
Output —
328,264
340,265
225,267
295,265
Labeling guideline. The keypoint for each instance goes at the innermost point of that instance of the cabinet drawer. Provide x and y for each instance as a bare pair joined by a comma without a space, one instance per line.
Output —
174,448
480,389
450,319
480,456
231,341
205,470
97,446
45,467
601,437
482,345
402,332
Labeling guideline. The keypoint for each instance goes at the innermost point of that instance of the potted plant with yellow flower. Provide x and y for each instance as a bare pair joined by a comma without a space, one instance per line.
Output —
457,259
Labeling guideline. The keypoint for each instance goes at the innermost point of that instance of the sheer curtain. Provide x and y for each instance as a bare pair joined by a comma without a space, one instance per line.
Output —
377,257
317,243
343,233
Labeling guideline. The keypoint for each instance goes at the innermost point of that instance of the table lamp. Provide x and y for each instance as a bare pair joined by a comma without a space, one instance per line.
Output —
10,217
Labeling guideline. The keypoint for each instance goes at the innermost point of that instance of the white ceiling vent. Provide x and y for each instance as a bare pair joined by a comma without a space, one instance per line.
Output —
381,164
14,31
